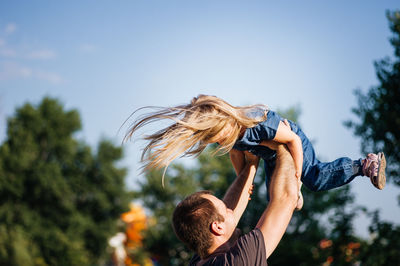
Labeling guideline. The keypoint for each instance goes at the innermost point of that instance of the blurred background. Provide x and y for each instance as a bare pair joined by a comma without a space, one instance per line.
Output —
71,74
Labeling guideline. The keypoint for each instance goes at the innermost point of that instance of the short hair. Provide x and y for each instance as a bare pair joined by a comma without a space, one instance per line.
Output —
192,219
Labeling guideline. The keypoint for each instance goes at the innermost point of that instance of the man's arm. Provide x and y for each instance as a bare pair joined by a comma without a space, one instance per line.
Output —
237,195
283,195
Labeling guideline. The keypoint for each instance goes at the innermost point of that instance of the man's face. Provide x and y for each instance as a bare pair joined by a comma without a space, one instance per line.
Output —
229,220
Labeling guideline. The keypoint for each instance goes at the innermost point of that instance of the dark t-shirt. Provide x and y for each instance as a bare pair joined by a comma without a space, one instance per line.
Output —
248,250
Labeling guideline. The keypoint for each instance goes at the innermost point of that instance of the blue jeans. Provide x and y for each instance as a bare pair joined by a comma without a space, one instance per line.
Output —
319,176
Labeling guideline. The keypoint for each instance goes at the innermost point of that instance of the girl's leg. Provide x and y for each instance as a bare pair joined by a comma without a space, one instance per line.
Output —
325,176
319,176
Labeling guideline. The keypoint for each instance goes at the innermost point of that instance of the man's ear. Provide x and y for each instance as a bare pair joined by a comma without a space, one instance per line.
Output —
217,228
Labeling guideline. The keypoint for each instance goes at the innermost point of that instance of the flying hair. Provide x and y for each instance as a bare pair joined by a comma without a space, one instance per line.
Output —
193,127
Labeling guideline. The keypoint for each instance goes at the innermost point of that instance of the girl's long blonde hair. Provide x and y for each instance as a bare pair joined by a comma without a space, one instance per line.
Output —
194,125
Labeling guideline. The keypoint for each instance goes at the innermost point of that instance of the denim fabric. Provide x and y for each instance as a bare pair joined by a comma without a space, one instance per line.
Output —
252,137
317,176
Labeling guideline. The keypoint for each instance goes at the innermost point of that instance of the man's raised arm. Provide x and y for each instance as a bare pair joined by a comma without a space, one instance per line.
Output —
283,194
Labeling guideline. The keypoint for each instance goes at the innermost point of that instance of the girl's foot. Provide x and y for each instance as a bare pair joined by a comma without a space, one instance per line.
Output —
373,166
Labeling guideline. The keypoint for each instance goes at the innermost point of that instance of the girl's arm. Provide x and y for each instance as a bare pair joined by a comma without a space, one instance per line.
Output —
286,136
238,160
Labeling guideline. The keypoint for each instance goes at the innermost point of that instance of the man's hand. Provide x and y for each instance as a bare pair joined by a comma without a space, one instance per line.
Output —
286,123
251,191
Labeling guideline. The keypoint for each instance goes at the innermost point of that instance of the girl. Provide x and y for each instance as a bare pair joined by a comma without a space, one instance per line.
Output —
208,119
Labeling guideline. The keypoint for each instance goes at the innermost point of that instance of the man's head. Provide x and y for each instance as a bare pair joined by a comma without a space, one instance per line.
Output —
201,218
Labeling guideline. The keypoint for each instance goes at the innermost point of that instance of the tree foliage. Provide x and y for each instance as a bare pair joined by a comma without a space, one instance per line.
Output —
379,108
379,129
383,247
59,201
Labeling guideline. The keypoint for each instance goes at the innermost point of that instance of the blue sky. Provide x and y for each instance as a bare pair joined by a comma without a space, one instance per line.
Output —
107,58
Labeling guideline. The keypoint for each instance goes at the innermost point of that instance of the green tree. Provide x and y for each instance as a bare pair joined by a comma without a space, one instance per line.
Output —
159,239
379,108
384,245
379,129
60,202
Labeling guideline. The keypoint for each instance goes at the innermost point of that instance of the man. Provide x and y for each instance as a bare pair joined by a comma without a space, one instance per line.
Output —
207,225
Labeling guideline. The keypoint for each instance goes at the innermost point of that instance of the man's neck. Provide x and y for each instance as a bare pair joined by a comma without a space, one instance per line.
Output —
223,245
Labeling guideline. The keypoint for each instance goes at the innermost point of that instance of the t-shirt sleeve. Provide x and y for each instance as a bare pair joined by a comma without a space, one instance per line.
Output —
249,250
265,130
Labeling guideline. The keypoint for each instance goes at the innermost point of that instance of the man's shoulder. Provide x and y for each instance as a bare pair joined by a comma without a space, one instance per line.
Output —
195,260
249,248
254,239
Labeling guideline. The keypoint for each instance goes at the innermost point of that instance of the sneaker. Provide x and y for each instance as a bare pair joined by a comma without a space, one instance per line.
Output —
373,166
